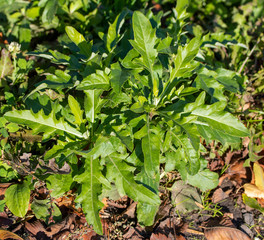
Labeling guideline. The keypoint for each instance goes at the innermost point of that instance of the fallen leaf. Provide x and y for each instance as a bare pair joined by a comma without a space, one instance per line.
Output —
90,235
236,172
226,220
164,208
170,228
226,233
65,224
219,195
67,201
256,190
54,168
8,235
136,233
253,191
102,212
259,176
161,236
130,211
129,233
216,164
35,227
261,202
221,221
105,226
184,196
25,158
3,187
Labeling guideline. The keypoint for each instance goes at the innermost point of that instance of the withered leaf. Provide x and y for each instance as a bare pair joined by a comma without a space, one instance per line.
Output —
219,195
236,172
253,191
160,236
3,187
256,190
4,234
227,233
259,176
35,227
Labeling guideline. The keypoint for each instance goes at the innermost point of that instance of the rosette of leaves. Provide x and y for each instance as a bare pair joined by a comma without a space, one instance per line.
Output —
137,99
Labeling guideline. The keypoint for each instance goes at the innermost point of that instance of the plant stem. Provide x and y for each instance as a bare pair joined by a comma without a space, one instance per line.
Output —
249,55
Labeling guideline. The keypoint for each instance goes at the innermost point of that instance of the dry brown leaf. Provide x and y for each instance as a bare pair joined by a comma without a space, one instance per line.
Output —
8,235
236,171
261,202
35,227
136,233
105,202
224,233
90,235
130,212
160,236
253,191
67,201
65,224
219,195
3,187
226,220
233,175
256,190
221,221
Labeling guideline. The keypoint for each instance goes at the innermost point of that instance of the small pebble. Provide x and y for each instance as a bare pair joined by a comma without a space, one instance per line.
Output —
248,218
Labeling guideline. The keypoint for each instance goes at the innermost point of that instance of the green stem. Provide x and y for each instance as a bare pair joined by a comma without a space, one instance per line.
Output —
256,111
15,67
256,120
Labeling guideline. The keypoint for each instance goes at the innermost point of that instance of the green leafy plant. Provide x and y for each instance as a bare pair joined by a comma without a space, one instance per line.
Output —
120,108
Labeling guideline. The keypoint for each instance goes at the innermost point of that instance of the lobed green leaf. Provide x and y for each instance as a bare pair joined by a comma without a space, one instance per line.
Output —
39,122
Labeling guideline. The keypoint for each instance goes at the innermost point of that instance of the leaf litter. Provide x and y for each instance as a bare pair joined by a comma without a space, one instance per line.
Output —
118,217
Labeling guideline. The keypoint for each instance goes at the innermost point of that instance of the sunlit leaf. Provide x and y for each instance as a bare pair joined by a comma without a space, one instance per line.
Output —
90,190
17,198
98,80
125,182
219,233
79,40
253,191
5,235
40,122
76,109
259,176
143,43
6,65
151,151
